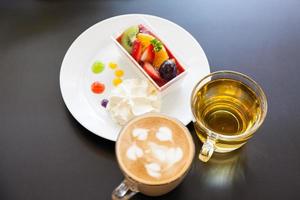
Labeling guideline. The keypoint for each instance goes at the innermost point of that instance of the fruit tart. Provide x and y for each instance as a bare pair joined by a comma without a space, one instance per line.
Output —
151,54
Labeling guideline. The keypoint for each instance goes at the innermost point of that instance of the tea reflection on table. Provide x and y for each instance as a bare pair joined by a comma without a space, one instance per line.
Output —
225,170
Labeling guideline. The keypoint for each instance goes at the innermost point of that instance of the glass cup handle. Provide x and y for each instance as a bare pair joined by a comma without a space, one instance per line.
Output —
124,191
207,149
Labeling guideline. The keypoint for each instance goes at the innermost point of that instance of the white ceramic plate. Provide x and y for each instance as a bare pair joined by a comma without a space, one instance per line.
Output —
95,44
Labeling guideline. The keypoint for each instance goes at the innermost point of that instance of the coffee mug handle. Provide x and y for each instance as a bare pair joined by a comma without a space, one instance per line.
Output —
207,149
124,191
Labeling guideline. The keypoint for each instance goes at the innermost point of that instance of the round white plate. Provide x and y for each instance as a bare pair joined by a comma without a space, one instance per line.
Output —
95,44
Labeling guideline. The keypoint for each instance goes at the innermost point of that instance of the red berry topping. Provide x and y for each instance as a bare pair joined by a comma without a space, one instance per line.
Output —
137,50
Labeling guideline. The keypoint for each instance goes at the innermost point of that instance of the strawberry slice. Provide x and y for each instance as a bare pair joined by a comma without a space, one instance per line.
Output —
148,54
149,69
137,50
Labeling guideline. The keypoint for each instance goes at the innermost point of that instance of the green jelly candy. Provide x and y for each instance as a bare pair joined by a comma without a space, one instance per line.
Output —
98,67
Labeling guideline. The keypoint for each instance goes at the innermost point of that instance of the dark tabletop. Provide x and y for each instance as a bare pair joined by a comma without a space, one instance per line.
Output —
45,154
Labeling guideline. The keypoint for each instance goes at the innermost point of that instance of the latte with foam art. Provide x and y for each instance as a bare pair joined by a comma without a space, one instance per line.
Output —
154,149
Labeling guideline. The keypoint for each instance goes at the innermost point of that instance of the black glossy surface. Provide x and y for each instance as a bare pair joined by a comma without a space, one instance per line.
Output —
45,154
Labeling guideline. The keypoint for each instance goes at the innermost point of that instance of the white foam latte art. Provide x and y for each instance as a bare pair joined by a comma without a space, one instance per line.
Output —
174,155
153,169
140,133
167,157
131,98
164,134
134,152
166,154
157,153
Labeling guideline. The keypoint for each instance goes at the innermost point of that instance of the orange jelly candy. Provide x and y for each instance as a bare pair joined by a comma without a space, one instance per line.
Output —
117,81
97,87
119,73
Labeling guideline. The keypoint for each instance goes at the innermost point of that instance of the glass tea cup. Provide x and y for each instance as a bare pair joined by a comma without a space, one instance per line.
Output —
228,107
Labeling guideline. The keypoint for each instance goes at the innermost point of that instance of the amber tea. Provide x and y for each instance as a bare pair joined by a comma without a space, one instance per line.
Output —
227,111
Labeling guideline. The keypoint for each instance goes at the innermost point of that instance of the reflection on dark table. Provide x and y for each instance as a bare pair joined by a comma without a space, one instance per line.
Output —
45,154
225,170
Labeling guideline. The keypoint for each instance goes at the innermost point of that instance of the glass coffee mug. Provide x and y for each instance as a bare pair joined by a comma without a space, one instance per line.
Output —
154,152
228,107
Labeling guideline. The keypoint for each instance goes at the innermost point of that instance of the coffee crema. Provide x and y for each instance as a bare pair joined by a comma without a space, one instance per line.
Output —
154,149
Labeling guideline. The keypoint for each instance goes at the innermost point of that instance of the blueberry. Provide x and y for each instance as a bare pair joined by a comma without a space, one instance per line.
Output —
168,70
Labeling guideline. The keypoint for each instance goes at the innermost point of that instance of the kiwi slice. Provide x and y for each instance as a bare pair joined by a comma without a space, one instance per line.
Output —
128,37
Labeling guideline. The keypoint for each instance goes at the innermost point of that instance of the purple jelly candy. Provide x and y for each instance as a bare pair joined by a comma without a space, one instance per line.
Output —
104,103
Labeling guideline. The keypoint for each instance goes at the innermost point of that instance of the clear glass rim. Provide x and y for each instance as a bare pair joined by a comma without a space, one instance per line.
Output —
246,133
